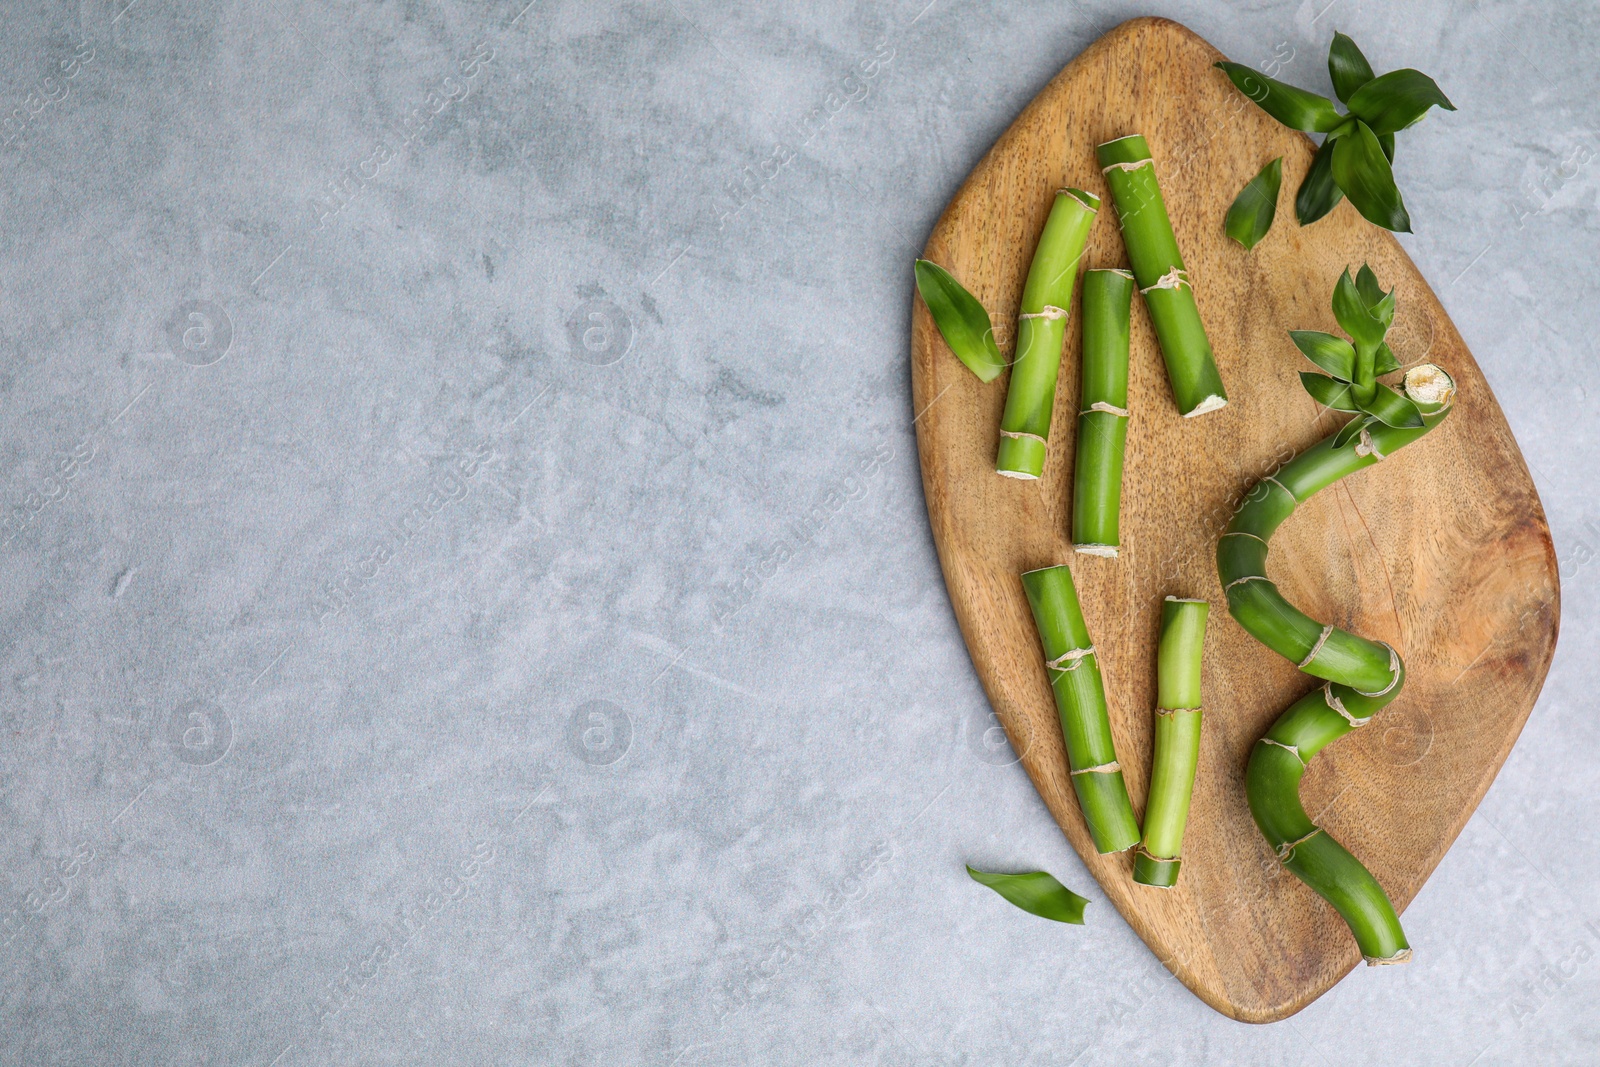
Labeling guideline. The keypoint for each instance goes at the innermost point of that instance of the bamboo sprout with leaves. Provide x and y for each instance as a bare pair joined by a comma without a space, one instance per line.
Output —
1361,676
1074,673
1130,173
1103,412
1356,157
1177,741
1041,327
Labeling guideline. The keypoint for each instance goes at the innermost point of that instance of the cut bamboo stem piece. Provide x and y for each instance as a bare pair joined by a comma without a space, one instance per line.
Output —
1361,676
1041,327
1177,741
1158,268
1102,412
1074,673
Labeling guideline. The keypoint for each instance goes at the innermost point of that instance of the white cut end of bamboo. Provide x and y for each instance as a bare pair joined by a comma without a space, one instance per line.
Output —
1135,165
1210,403
1176,278
1021,476
1104,551
1427,383
1109,409
1104,768
1403,956
1187,600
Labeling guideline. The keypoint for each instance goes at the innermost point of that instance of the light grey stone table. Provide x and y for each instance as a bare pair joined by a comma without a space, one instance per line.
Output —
466,598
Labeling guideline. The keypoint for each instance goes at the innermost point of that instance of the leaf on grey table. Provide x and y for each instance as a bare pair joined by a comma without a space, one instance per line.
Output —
1036,892
1347,67
1395,100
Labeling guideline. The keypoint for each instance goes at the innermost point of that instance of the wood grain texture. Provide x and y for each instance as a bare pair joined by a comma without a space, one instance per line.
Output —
1442,550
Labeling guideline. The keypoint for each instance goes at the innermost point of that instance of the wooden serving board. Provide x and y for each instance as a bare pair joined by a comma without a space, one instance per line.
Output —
1442,550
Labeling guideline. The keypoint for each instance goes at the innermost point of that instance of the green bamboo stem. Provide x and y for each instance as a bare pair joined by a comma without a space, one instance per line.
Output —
1177,741
1361,676
1103,412
1041,327
1158,267
1074,673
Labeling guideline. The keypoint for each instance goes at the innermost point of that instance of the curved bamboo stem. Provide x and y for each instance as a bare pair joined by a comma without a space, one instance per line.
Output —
1177,741
1041,327
1102,412
1071,664
1361,675
1153,251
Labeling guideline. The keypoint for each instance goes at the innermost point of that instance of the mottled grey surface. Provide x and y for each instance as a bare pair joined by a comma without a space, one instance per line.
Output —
467,597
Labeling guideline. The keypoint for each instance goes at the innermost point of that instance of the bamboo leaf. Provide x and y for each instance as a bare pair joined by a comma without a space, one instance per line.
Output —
1349,431
1367,285
1328,392
962,321
1256,206
1385,363
1036,892
1392,409
1363,172
1319,193
1386,142
1295,108
1331,353
1396,100
1351,311
1347,67
1380,303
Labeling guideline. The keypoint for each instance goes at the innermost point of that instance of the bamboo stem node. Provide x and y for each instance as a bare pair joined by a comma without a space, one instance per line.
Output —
1176,278
1048,312
1287,748
1327,631
1337,705
1286,849
1395,673
1074,656
1135,165
1109,409
1103,768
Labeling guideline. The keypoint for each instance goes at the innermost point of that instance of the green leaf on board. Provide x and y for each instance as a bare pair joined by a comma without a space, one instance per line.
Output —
1036,892
1256,206
962,321
1333,354
1328,392
1392,409
1363,172
1347,67
1397,99
1319,193
1349,431
1295,108
1385,363
1354,317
